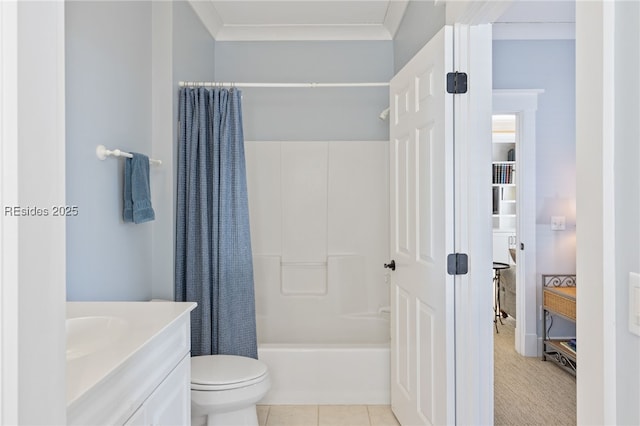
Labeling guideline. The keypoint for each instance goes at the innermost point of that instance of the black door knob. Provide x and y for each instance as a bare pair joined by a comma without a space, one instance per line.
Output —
391,265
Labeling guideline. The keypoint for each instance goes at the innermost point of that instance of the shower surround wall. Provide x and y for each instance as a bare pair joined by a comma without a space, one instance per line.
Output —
319,220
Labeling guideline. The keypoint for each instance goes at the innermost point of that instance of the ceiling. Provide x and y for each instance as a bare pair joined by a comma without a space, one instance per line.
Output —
362,19
537,19
540,11
301,19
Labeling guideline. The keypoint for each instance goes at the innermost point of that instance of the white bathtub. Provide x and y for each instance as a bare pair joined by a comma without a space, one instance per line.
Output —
327,373
323,349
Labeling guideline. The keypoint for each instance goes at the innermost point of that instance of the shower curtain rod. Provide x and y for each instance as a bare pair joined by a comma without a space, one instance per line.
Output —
281,85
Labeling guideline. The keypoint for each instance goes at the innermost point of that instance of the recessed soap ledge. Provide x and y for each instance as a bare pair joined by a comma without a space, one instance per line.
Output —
127,362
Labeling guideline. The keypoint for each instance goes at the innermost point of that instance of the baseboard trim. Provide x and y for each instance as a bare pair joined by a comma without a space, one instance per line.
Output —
531,345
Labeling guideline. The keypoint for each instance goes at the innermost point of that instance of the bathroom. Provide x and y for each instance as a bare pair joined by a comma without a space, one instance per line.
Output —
327,164
39,181
119,90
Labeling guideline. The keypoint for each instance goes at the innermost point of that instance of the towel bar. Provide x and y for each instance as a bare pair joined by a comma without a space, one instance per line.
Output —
102,152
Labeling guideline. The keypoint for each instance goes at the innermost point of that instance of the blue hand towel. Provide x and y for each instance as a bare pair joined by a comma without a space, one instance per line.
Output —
137,192
127,212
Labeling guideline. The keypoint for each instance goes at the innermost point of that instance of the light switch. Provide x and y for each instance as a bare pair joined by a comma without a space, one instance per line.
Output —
558,223
634,303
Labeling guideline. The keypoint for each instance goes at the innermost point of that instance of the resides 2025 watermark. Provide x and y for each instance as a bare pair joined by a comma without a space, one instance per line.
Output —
35,211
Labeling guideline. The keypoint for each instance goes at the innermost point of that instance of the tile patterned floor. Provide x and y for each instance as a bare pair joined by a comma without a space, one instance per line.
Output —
326,415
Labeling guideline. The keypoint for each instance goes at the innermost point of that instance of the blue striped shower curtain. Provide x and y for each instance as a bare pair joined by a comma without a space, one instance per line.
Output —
213,247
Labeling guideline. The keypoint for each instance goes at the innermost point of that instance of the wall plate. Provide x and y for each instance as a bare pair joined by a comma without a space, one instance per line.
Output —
558,223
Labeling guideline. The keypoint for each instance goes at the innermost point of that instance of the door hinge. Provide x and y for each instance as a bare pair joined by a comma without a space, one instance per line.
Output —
457,264
457,82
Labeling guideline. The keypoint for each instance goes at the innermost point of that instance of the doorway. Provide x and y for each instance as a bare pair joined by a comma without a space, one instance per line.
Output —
514,187
504,141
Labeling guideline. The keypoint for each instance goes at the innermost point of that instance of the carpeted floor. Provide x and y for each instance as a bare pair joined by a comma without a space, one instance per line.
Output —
529,391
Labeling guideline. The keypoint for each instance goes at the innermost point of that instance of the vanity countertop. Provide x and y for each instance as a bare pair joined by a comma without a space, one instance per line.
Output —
102,336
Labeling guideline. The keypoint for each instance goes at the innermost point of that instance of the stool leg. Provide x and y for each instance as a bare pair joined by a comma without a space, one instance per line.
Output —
496,302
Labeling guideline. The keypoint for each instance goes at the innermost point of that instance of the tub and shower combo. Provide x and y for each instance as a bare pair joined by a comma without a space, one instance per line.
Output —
319,222
353,372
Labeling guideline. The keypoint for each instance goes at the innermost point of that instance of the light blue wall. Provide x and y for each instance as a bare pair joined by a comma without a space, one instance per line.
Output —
193,50
109,100
310,114
422,20
193,46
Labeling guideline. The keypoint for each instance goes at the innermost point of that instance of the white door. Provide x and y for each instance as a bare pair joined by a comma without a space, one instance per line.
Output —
422,338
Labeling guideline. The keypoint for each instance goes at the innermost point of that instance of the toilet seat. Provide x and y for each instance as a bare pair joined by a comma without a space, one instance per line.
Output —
223,372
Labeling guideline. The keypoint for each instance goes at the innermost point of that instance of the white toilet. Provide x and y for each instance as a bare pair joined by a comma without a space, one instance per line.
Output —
225,390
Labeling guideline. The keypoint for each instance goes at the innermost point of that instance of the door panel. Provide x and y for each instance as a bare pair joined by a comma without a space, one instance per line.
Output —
424,137
426,387
403,342
402,210
421,163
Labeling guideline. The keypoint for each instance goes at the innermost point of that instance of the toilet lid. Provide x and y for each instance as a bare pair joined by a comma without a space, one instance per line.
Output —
217,370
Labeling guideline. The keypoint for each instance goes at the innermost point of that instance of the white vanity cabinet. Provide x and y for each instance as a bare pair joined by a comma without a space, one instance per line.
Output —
170,403
141,377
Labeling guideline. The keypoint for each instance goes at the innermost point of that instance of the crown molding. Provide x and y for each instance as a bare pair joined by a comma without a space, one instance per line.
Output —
211,19
395,13
208,15
302,32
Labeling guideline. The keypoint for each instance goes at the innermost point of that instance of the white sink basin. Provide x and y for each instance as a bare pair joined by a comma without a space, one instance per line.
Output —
86,335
